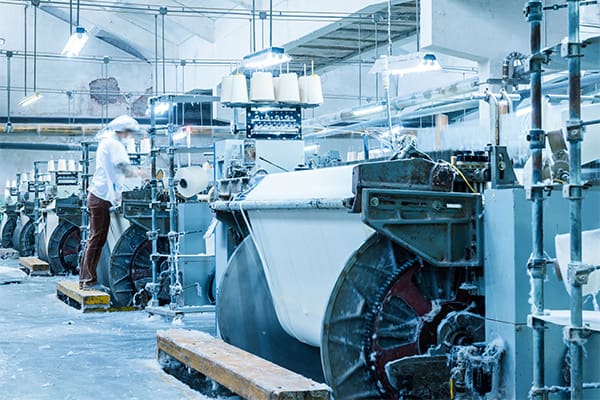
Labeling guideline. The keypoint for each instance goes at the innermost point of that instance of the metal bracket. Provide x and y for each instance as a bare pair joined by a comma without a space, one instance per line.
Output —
537,266
578,335
579,273
533,10
536,139
570,50
572,192
574,130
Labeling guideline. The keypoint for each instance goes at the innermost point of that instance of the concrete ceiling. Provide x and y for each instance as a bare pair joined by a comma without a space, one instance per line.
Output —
358,33
130,25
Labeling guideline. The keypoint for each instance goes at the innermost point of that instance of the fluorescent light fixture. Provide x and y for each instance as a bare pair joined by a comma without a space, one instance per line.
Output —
76,42
374,109
29,100
407,64
266,58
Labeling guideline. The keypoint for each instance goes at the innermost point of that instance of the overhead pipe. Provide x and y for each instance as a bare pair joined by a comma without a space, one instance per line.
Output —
574,191
537,141
42,146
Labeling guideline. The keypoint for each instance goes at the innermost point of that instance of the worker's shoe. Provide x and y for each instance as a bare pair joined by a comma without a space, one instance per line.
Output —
97,287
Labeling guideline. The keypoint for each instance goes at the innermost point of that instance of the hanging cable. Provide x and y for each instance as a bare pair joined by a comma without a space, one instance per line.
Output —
77,12
25,49
270,23
35,48
163,12
70,17
389,26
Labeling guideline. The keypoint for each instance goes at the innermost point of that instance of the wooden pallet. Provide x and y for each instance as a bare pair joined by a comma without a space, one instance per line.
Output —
34,266
84,300
243,373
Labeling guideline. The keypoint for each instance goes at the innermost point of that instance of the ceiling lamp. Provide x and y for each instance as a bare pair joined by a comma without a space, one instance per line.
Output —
76,42
29,100
407,64
266,58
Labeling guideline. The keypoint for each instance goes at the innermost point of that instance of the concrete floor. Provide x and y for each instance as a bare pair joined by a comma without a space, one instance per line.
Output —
49,350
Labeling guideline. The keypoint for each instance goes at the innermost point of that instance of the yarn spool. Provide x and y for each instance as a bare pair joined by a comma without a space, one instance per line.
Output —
239,89
226,86
314,90
62,165
289,91
276,88
261,87
51,166
71,166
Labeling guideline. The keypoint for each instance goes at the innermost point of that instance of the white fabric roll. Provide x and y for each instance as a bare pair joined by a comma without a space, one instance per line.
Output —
191,181
261,87
304,251
591,256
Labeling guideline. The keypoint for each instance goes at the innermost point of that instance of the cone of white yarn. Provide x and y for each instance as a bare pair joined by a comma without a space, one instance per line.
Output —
289,91
261,87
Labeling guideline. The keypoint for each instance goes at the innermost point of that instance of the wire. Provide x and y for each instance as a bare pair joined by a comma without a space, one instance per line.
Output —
459,172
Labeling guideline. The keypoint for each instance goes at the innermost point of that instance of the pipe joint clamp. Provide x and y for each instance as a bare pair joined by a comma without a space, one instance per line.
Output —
572,192
536,139
534,11
537,267
574,130
572,334
579,273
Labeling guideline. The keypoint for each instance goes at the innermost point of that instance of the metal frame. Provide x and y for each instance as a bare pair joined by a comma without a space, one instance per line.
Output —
175,289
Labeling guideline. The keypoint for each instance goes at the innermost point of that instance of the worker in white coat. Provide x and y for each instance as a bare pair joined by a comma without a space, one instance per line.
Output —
112,166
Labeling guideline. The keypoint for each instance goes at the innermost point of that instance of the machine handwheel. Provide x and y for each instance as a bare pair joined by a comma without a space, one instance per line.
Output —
387,305
7,232
130,266
63,248
27,240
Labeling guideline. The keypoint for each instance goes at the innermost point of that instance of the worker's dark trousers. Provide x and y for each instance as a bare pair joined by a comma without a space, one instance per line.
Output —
99,224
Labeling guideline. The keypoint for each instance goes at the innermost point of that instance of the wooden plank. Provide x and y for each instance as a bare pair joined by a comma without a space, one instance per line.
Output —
34,266
85,300
247,375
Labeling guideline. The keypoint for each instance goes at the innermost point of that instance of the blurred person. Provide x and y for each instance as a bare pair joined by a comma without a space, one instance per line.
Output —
112,167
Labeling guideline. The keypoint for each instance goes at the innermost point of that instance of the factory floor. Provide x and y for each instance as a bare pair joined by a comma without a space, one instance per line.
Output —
49,350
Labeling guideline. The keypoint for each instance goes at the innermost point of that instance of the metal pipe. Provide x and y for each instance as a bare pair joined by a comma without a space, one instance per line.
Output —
85,177
34,48
173,238
153,234
9,55
537,140
270,23
156,54
36,206
39,146
25,50
494,119
575,193
163,12
253,26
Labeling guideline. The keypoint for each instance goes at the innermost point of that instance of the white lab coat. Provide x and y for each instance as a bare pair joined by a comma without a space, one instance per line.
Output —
107,183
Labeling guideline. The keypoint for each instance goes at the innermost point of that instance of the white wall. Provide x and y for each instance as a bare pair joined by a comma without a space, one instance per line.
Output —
61,74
